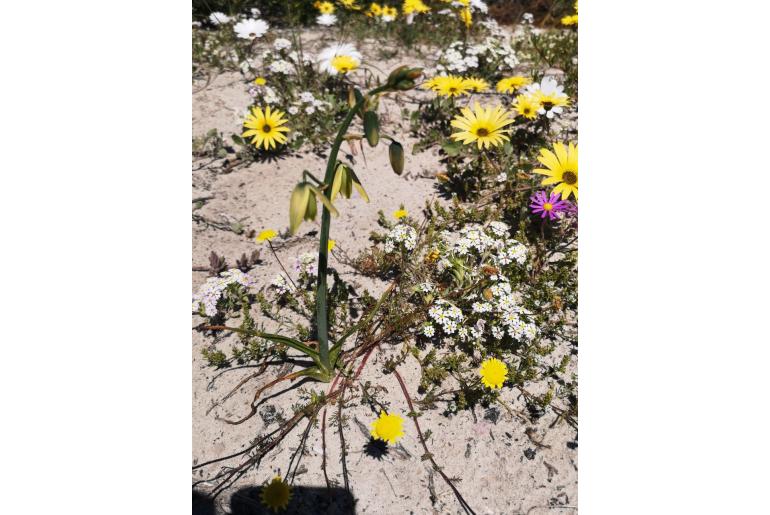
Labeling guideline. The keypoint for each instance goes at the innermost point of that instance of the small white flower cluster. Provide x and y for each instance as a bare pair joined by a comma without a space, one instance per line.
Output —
509,315
470,237
306,264
308,103
483,252
281,44
426,287
401,236
266,94
281,61
212,290
446,315
281,66
281,284
459,58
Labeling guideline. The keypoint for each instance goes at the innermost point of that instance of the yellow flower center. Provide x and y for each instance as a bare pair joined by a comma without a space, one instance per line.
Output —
547,206
344,63
569,177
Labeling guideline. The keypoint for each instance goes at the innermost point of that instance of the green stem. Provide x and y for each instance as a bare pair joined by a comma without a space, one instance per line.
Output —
322,312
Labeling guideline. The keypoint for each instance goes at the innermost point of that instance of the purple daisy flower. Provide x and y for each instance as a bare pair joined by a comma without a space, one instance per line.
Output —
547,205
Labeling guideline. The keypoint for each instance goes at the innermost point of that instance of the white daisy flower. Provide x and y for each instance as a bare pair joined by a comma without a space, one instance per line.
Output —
327,20
326,56
250,29
218,18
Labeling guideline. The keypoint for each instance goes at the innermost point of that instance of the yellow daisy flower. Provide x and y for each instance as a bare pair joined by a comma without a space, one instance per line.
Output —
450,86
476,84
562,169
430,83
331,245
350,4
266,235
325,7
493,373
570,20
344,63
267,127
389,12
276,494
550,100
374,10
389,428
484,126
511,84
400,213
260,81
414,6
527,106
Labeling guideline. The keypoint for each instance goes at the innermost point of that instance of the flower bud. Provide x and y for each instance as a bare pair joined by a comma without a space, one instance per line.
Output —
396,155
372,128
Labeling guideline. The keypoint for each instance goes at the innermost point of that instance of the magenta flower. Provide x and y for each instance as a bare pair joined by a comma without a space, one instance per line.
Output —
547,205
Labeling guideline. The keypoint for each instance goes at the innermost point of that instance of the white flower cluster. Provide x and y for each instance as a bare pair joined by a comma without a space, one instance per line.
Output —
308,103
475,240
502,313
306,264
281,284
446,315
211,291
509,316
281,61
281,44
426,287
459,58
266,95
483,252
281,66
401,236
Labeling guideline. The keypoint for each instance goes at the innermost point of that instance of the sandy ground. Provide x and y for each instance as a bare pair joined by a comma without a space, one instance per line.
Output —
503,465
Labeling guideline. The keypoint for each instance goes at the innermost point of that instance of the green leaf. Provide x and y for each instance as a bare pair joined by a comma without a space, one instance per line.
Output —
452,148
